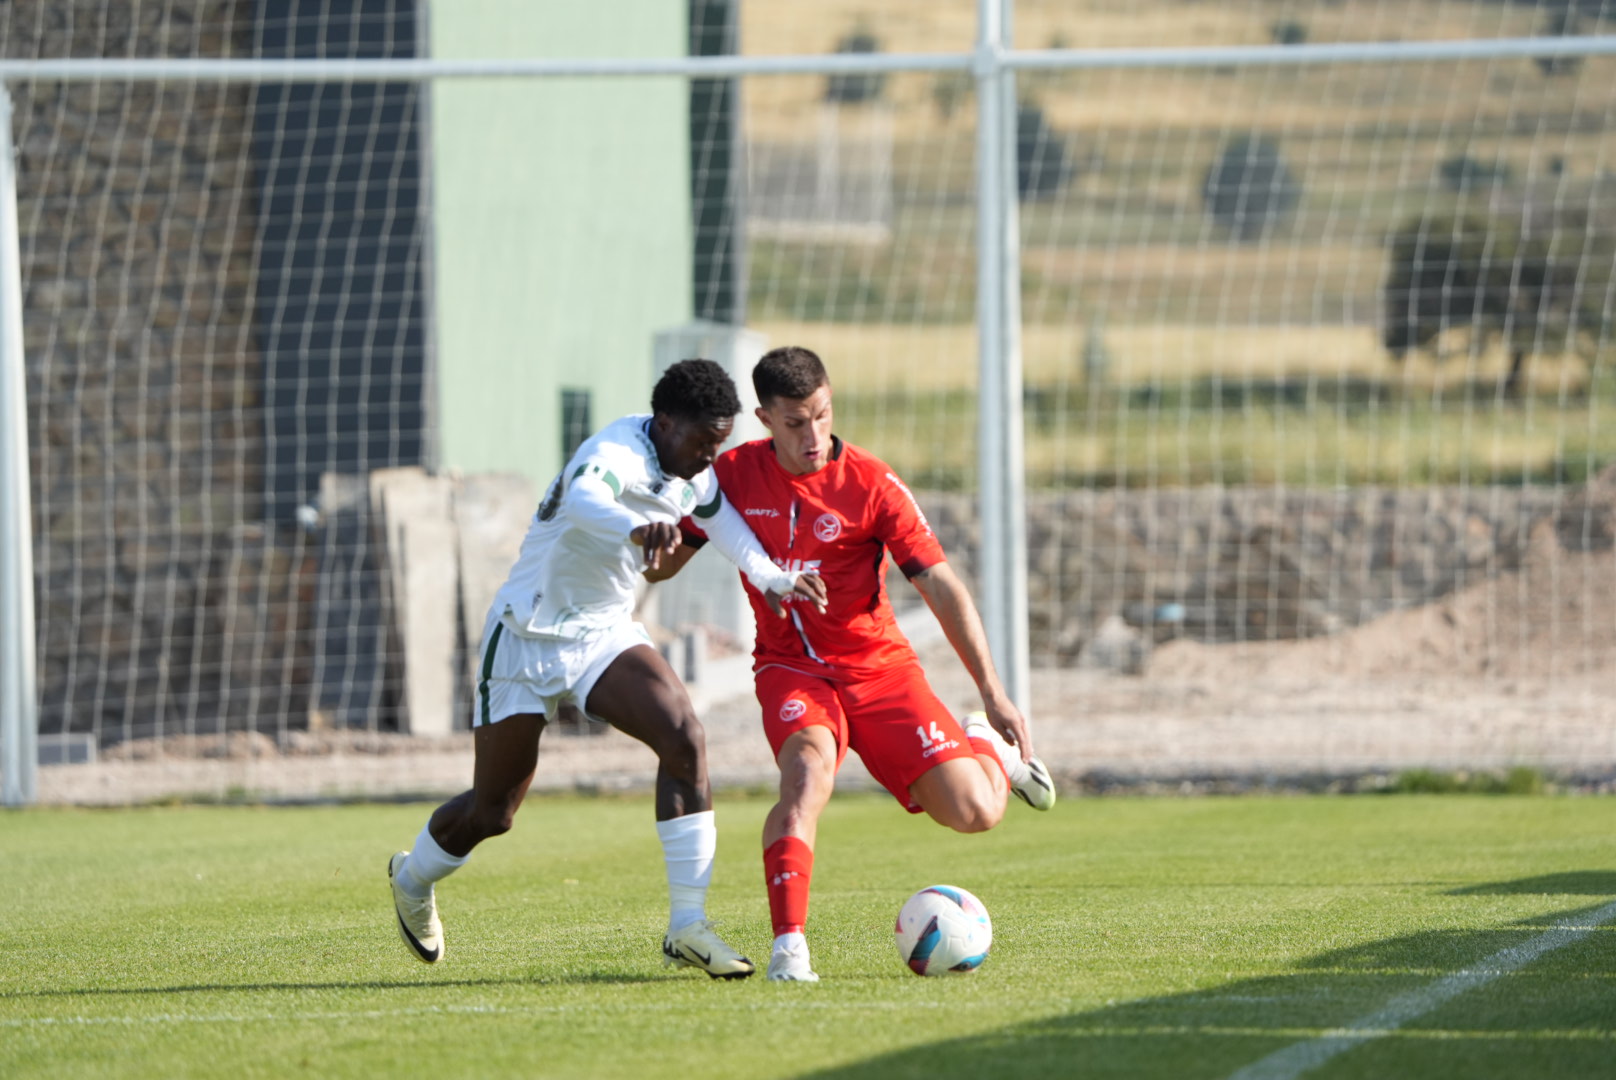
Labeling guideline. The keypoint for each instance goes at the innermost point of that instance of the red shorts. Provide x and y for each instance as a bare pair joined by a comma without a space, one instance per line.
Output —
896,724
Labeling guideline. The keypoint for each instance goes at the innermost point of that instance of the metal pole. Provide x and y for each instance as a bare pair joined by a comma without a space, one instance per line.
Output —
728,67
19,707
1017,656
1003,593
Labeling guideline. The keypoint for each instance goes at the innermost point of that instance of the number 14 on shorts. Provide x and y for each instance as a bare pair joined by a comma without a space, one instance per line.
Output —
934,740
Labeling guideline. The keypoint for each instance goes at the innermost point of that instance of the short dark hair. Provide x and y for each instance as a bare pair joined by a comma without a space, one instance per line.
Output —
696,390
790,371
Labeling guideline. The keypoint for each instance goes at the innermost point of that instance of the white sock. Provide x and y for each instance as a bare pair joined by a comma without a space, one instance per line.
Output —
976,725
688,844
792,942
426,863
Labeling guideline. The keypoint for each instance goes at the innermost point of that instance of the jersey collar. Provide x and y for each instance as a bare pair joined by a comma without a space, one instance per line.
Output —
651,450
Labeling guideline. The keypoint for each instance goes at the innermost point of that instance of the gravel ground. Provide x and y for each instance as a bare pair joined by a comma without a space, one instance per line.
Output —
1518,670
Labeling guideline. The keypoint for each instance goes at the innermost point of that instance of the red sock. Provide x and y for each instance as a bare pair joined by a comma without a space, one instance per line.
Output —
984,748
788,865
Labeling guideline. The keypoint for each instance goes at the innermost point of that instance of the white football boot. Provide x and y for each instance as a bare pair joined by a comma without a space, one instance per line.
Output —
696,945
789,963
418,921
1029,780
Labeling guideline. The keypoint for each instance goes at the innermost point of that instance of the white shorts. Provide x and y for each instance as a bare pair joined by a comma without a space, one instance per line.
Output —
518,675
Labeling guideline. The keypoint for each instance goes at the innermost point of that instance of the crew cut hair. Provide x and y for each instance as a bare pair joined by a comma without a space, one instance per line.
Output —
790,371
696,390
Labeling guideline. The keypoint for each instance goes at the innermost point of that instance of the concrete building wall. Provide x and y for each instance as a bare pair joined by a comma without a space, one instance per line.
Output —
561,225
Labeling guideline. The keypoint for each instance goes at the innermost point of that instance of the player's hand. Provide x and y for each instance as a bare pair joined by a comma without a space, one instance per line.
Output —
1008,721
658,538
810,587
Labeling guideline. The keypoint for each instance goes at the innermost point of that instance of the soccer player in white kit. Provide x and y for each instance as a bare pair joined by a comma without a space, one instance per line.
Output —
561,632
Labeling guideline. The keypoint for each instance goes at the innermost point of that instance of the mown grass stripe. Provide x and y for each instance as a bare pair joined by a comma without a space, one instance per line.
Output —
1301,1057
435,1010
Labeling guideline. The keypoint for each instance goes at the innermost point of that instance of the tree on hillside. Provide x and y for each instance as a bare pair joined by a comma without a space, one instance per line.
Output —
1288,32
1593,9
1465,173
1564,22
1043,160
856,89
1537,282
1249,190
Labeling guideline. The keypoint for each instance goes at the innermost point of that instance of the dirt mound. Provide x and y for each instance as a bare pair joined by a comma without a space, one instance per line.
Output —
1555,617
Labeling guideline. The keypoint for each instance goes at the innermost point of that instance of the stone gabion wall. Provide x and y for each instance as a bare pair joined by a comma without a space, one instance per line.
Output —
163,606
1261,564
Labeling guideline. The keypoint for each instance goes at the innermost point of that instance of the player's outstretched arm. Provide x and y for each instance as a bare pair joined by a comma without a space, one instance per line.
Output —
810,587
732,536
951,603
591,504
671,563
660,540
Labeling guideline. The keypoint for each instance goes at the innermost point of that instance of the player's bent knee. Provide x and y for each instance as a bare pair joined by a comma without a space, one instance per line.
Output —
494,820
971,811
983,816
798,815
683,744
804,790
972,823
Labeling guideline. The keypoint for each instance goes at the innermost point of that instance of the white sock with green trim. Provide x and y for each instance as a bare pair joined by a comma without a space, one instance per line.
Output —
426,863
688,846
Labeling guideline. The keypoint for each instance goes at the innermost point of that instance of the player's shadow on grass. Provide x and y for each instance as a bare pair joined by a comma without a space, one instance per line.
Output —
1515,1027
1573,883
426,983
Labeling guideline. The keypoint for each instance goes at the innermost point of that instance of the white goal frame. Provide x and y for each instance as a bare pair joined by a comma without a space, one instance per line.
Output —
993,65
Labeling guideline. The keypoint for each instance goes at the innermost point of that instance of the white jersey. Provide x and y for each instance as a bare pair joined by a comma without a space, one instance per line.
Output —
577,569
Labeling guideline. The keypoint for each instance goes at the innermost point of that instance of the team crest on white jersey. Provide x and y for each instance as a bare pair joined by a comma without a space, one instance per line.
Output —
828,527
794,709
681,493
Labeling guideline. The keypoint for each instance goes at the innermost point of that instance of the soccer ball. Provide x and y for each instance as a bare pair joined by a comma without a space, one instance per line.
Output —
943,930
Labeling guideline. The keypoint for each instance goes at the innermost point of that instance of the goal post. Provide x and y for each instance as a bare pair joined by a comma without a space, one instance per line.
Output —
1002,496
1101,338
19,706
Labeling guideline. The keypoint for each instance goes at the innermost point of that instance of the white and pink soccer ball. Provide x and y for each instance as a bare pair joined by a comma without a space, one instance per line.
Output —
943,930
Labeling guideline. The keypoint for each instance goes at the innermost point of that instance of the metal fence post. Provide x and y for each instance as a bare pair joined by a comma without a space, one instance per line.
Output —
19,706
1002,589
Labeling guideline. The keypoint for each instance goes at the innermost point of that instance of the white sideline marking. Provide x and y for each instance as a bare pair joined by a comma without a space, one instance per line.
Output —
1301,1057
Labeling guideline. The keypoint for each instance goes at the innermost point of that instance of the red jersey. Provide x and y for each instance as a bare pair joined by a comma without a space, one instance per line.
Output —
838,522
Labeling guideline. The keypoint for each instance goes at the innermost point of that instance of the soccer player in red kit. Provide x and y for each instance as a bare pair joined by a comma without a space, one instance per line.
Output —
846,677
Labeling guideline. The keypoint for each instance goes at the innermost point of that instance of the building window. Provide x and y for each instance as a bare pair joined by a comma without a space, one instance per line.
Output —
576,426
575,422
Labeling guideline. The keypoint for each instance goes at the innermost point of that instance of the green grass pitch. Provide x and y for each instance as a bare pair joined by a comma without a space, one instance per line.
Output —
1134,938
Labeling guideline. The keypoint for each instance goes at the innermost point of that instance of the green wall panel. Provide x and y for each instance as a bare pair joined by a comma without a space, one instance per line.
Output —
561,222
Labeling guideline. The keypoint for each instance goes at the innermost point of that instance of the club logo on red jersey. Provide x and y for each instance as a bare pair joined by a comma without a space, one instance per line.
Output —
793,709
827,527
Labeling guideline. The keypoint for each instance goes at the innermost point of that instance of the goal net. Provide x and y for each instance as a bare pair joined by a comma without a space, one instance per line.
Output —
1319,419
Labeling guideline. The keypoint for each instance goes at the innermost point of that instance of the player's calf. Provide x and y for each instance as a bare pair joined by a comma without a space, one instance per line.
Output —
956,794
